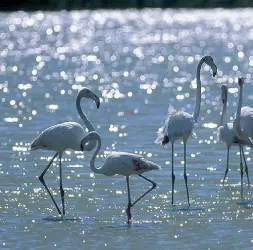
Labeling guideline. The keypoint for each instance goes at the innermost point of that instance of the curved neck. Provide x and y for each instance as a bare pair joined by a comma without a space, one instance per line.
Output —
237,124
93,158
82,114
198,94
224,112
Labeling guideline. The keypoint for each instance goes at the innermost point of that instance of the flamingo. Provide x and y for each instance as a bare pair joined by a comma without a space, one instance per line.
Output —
227,134
243,125
180,124
63,136
122,163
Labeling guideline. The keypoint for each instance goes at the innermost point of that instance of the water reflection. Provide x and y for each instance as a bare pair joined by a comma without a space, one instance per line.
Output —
139,62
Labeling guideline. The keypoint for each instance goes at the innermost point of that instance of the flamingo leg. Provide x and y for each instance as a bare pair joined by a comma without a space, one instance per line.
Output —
41,178
172,172
185,174
226,171
241,170
129,205
153,186
61,187
246,166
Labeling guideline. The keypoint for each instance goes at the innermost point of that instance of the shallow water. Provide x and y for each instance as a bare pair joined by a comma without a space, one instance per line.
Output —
139,63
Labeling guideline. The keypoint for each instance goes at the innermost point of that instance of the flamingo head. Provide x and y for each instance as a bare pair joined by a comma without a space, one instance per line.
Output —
86,92
240,81
209,61
224,93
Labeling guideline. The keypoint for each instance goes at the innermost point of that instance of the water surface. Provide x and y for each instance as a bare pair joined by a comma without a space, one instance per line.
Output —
139,63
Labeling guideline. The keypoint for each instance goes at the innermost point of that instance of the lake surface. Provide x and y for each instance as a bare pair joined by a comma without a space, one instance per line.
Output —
139,63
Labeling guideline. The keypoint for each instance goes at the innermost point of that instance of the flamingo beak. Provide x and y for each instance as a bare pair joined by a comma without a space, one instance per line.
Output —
240,81
214,69
96,99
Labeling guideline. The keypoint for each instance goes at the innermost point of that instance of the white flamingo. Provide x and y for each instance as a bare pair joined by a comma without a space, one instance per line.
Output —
227,134
63,136
122,163
180,124
243,125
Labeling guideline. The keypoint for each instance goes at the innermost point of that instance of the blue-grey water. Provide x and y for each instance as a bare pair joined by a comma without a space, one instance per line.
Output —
139,63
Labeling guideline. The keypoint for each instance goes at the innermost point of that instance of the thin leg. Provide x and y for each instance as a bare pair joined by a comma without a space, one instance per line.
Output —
246,166
153,186
41,178
61,188
185,175
241,170
226,171
172,172
129,205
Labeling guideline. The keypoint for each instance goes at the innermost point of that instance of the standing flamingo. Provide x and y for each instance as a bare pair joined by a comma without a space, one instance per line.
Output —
243,125
227,134
180,124
63,136
122,163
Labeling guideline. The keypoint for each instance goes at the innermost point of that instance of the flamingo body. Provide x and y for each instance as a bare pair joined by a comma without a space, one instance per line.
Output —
126,164
180,124
242,125
227,135
122,163
63,136
246,121
60,137
177,125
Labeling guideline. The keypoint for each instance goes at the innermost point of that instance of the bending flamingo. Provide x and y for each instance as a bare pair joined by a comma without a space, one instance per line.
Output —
122,163
180,124
63,136
243,125
227,134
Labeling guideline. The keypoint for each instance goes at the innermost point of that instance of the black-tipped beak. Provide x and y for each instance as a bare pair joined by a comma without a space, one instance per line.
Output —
240,81
96,99
214,69
98,103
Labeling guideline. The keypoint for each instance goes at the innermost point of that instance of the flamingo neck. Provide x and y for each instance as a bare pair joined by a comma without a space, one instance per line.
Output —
224,112
93,158
82,114
237,124
198,94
